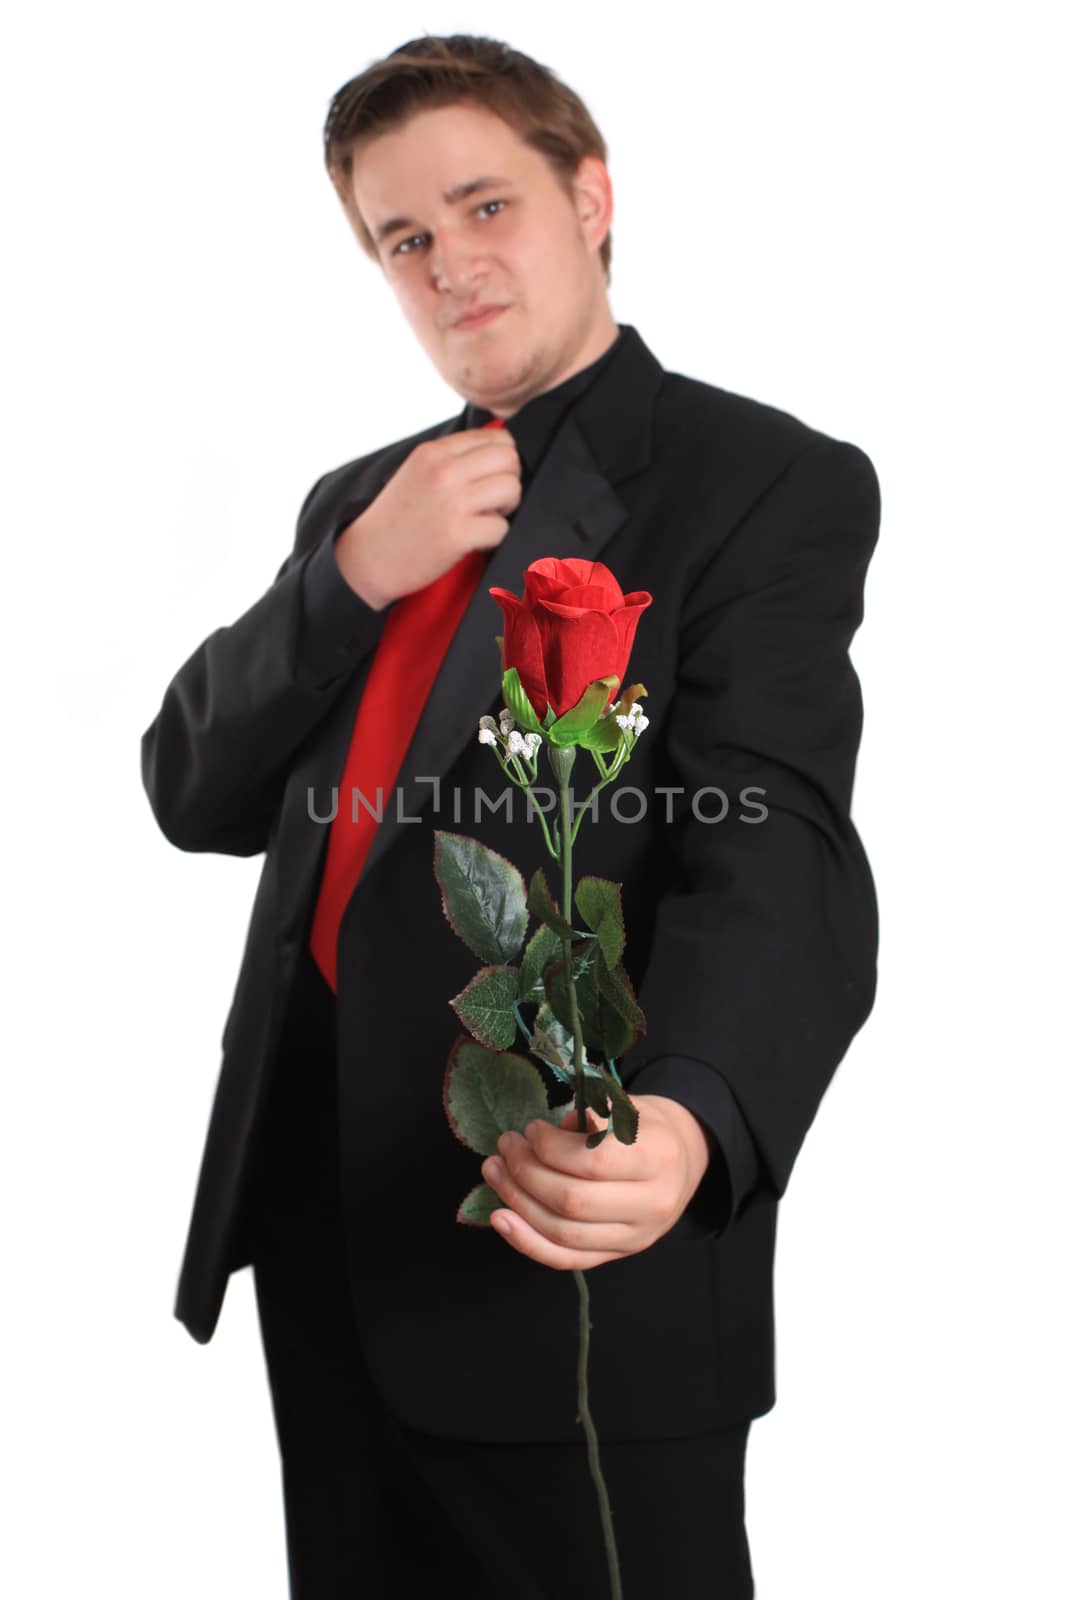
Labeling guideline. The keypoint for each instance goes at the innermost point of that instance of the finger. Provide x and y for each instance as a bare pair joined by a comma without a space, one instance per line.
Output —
566,1150
483,493
529,1242
581,1213
489,441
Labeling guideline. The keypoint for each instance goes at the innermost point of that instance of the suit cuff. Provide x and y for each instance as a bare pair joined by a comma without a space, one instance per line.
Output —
336,627
733,1169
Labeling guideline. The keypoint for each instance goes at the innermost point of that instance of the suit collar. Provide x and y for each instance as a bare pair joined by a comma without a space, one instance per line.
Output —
532,427
614,412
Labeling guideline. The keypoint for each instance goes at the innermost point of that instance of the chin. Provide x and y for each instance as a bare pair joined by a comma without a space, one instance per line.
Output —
481,383
498,375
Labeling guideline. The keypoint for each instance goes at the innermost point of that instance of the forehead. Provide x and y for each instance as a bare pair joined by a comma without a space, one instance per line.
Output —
434,152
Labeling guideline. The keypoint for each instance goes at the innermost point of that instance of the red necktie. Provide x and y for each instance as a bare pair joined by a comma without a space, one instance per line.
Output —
416,635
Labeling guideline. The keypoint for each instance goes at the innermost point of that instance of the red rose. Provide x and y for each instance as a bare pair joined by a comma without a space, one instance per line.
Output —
572,626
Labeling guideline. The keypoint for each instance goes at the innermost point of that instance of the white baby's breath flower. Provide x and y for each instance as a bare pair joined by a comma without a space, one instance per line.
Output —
486,736
635,711
530,743
487,722
507,722
534,740
516,742
641,724
624,722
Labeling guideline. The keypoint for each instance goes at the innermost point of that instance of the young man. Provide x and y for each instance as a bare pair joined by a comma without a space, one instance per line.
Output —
423,1373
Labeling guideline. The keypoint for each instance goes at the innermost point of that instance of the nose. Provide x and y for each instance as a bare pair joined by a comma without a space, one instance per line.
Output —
454,265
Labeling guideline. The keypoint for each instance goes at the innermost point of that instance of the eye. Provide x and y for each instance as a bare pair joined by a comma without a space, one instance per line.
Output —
400,250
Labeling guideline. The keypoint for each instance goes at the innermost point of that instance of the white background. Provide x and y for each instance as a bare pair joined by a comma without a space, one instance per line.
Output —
846,211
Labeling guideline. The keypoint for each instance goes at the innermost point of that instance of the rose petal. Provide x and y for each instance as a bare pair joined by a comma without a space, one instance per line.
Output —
588,595
626,619
545,579
522,647
602,577
577,646
562,609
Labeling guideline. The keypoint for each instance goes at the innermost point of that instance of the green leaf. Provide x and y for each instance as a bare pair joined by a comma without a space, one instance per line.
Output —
609,1012
624,1114
552,1043
485,1006
541,905
545,946
583,967
597,1092
615,986
604,736
478,1206
489,1092
519,703
482,895
576,723
613,1023
600,903
632,693
542,1047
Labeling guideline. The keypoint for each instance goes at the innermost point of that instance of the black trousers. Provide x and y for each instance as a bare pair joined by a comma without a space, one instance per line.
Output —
374,1509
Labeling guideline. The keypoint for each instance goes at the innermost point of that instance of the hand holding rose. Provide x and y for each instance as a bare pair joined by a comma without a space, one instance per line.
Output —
570,1207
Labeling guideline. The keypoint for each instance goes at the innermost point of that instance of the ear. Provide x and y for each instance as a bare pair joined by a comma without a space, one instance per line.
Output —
594,200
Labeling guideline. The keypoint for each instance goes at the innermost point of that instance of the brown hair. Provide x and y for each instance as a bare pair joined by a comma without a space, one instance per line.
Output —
434,71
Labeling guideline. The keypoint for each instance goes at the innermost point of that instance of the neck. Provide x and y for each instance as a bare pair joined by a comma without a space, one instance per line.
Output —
596,343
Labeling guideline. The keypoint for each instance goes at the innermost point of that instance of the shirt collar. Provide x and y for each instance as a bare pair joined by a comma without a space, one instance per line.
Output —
534,425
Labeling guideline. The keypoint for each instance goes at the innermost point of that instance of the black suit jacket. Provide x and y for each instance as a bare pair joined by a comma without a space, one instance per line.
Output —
752,945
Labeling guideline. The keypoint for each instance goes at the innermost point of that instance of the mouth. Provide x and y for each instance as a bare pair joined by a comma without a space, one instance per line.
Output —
478,319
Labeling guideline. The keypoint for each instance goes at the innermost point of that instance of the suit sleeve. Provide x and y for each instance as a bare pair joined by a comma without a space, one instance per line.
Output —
733,1168
762,962
215,760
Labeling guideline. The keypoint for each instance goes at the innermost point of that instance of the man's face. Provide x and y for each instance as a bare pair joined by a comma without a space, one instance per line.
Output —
519,242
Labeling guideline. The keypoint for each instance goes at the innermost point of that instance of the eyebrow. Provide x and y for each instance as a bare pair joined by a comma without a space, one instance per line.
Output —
451,197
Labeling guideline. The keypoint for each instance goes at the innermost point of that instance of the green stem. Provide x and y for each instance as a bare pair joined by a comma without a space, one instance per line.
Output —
562,762
518,1019
565,761
523,783
584,807
552,850
622,755
585,1417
